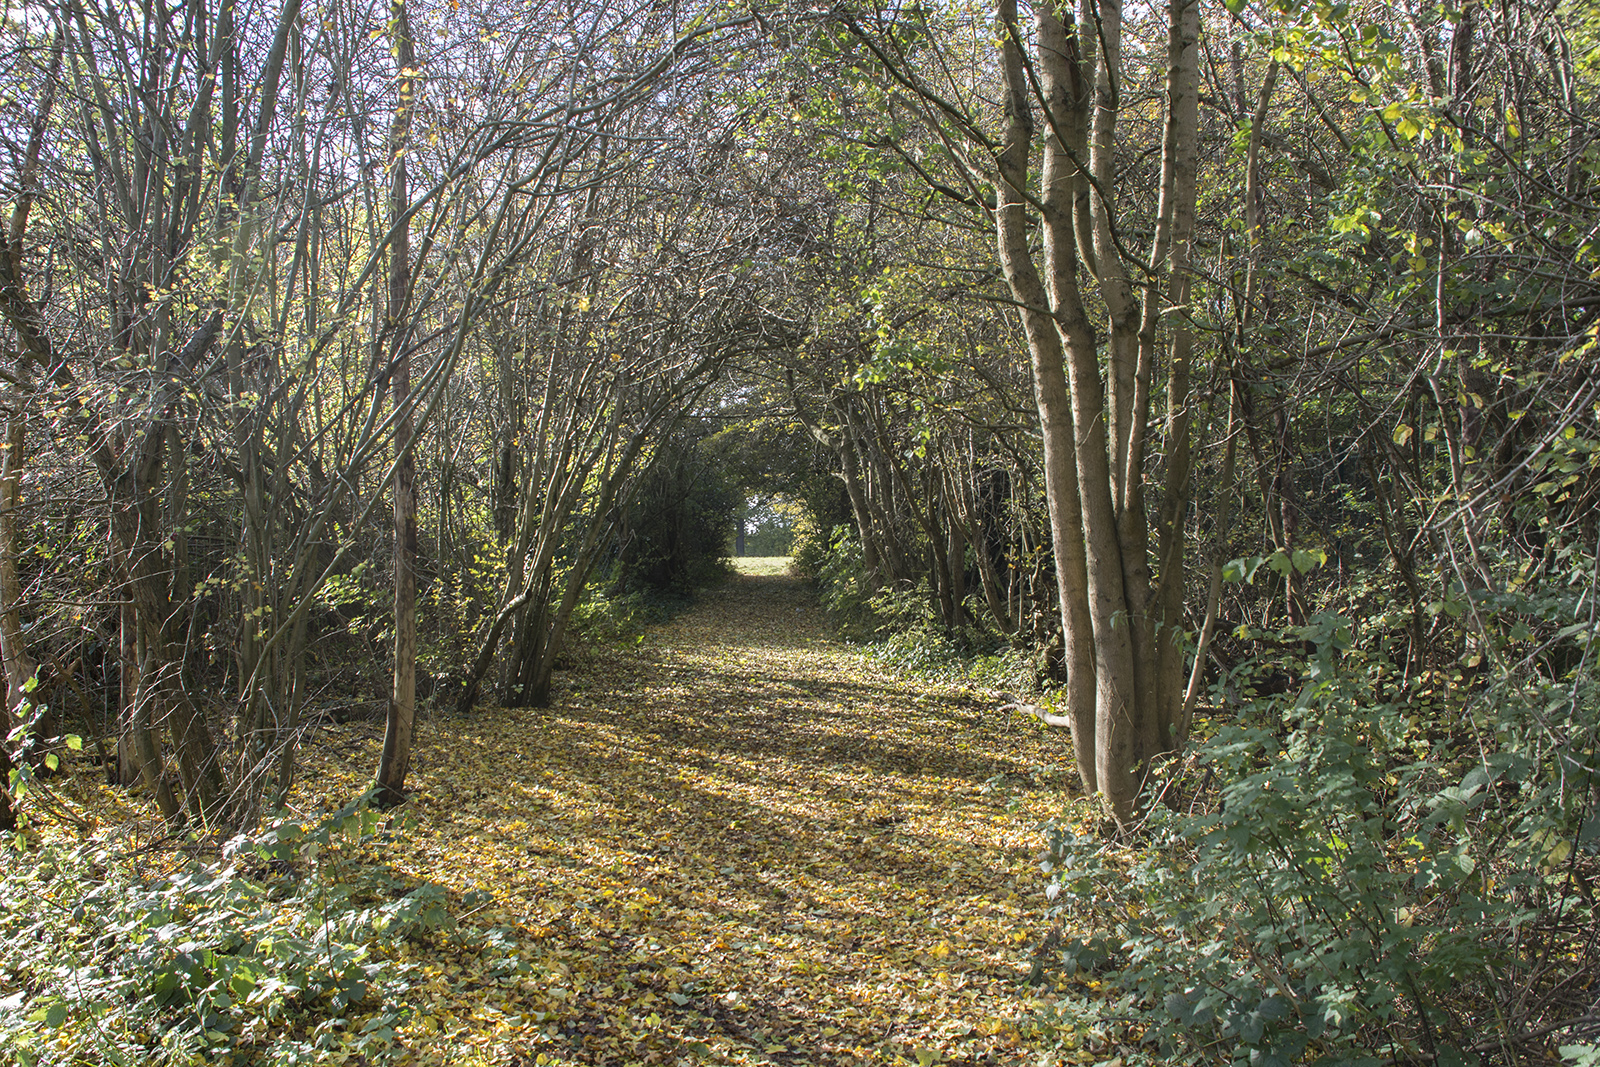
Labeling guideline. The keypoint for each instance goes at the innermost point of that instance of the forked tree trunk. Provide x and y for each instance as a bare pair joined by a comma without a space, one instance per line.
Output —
1124,663
1044,333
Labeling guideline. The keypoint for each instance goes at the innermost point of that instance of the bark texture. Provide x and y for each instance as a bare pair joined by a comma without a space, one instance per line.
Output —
1121,609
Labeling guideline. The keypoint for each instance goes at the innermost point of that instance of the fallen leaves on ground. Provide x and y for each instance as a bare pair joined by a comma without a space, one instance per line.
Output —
739,843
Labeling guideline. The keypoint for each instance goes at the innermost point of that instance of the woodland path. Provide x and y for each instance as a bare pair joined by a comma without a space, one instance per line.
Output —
740,842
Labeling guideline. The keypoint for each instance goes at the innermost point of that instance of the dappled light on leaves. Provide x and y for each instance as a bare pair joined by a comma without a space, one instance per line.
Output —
739,842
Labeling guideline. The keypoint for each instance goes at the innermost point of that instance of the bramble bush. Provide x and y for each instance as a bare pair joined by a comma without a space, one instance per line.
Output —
283,953
1366,879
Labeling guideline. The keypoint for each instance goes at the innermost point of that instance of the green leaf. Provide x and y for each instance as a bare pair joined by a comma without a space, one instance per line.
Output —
74,742
241,983
52,1016
1242,570
1307,560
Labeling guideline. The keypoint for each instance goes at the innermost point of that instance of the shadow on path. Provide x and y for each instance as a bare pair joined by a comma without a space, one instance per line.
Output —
744,843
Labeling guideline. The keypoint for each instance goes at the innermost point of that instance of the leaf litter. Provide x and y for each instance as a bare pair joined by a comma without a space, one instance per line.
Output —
741,842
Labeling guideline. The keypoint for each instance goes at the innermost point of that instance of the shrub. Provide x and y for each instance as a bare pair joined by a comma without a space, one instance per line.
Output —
1369,884
608,615
281,954
812,544
840,578
680,519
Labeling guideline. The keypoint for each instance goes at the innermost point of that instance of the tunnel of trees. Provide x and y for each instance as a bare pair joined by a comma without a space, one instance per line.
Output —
1232,363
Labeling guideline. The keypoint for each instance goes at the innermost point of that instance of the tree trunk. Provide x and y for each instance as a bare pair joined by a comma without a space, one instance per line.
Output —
17,662
1124,664
19,665
159,694
401,720
1044,334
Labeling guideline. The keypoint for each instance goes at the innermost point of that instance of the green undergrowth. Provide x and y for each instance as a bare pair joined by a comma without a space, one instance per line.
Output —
898,629
937,656
288,948
609,616
1369,870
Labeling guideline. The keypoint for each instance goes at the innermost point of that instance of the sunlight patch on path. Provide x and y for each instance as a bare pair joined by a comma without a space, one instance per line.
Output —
762,564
